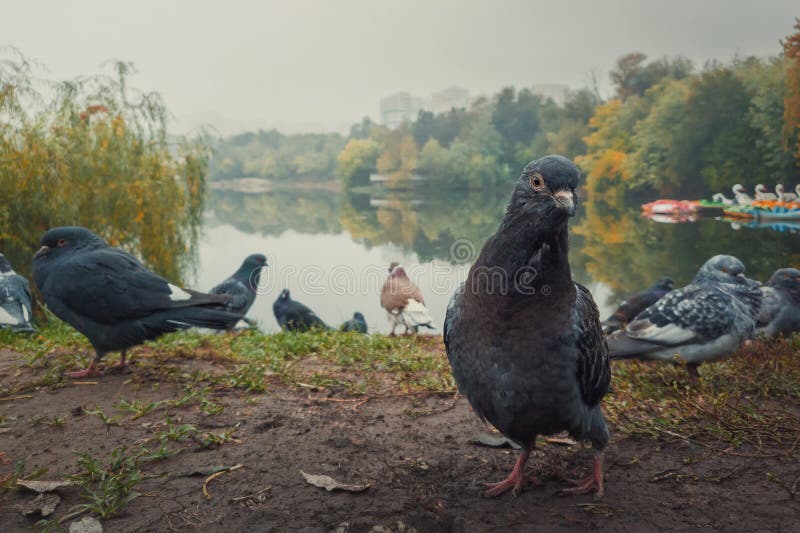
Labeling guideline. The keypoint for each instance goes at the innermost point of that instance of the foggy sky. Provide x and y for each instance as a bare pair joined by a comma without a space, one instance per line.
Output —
322,65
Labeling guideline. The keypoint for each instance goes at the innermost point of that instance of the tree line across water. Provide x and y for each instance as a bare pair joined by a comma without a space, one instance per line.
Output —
670,129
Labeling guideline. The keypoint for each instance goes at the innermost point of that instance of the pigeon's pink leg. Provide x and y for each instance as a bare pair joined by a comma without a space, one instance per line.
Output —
90,372
593,481
121,365
515,480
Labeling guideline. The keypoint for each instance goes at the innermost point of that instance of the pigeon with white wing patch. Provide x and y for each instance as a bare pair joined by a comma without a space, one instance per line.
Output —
109,296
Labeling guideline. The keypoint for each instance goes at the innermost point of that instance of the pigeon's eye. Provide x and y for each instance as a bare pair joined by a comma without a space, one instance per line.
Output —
537,181
62,242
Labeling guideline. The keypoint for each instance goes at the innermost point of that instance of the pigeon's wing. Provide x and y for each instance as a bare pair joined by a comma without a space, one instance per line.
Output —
301,314
770,306
237,291
635,305
109,285
694,312
594,370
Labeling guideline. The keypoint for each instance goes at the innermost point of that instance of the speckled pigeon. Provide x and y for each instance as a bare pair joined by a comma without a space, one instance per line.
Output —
242,285
15,299
357,324
109,296
703,321
524,340
635,304
403,302
780,310
294,316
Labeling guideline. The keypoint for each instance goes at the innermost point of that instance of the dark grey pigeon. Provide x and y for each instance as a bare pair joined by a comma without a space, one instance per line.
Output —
294,316
780,310
242,285
524,340
15,299
357,324
635,304
703,321
109,296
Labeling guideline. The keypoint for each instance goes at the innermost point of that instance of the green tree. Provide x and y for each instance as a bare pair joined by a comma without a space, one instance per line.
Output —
358,160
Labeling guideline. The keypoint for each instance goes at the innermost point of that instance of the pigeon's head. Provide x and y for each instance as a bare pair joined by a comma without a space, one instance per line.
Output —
358,317
787,280
284,296
5,266
57,242
253,261
396,270
722,269
546,190
665,283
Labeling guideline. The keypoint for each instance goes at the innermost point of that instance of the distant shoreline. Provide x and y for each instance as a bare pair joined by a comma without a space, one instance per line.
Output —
262,185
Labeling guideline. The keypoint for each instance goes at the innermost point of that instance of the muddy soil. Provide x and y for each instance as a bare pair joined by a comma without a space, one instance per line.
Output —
413,451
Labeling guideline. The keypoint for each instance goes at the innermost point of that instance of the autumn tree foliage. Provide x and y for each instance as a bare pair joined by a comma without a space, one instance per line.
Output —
791,106
96,153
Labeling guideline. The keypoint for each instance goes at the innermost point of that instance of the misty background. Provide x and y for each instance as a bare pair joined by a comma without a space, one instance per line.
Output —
321,66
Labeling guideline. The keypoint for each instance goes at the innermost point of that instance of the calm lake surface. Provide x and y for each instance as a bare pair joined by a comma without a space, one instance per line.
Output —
332,249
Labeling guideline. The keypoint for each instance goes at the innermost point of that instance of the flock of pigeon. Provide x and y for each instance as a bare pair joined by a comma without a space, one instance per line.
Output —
532,359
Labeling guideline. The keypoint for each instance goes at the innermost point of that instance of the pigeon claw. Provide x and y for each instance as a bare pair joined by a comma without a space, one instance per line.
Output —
592,482
515,480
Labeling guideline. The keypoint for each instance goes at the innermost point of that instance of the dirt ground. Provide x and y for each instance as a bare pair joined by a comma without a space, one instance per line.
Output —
413,451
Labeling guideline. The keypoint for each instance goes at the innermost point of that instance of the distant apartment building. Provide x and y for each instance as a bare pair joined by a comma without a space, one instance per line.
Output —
403,106
556,92
445,100
400,107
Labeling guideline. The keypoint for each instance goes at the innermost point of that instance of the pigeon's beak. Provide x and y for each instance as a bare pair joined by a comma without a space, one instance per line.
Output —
42,251
566,200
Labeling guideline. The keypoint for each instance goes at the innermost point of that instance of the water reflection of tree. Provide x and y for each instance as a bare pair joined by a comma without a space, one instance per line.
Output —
272,213
426,223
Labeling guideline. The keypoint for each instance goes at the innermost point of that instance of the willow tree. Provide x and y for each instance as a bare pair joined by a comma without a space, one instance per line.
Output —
94,152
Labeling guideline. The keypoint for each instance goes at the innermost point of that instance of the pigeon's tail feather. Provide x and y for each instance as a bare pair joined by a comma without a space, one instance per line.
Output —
188,317
621,346
415,314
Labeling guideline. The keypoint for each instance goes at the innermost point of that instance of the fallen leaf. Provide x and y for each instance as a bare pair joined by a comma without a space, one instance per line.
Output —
566,441
44,486
494,442
42,504
330,484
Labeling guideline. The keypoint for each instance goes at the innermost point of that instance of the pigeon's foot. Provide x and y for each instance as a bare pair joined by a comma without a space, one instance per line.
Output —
592,482
120,367
87,373
515,480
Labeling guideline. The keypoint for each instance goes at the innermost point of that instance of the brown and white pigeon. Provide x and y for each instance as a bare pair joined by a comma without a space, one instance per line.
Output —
403,302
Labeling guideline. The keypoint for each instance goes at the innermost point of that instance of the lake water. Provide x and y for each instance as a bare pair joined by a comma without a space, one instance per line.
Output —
332,249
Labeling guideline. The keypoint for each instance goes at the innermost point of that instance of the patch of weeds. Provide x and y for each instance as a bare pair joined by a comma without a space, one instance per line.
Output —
9,481
107,488
210,407
53,422
212,440
138,408
175,432
107,420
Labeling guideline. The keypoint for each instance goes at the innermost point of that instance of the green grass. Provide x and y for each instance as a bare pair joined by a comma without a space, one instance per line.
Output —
748,401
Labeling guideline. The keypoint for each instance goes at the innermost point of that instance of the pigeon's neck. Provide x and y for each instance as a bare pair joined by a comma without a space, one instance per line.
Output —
529,259
247,275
